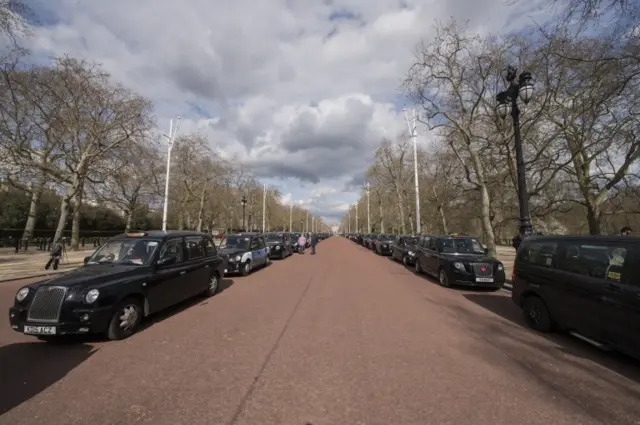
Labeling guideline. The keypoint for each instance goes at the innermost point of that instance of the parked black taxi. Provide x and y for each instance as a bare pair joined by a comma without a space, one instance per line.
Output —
279,244
404,250
586,285
128,278
458,260
383,244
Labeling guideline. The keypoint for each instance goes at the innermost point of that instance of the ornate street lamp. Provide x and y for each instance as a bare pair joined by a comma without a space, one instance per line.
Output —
508,103
244,205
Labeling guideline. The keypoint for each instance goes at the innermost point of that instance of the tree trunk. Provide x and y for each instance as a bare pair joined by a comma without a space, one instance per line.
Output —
593,219
443,220
77,215
201,209
62,219
36,194
403,223
381,217
75,187
129,220
485,202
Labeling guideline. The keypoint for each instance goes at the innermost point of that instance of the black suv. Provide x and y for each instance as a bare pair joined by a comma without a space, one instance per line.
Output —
129,277
458,260
587,285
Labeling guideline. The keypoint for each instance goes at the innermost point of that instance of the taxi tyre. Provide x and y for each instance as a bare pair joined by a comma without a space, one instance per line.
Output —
443,278
246,268
536,314
114,331
208,293
405,260
418,268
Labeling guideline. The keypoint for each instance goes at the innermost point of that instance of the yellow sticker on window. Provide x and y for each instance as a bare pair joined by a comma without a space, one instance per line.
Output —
613,276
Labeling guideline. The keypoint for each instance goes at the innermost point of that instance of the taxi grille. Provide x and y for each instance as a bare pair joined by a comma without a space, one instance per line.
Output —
482,269
46,304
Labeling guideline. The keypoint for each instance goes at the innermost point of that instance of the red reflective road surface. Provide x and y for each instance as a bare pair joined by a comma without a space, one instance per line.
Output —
341,338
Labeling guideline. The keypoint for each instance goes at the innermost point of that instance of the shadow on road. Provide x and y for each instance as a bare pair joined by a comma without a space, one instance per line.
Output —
31,367
566,347
225,284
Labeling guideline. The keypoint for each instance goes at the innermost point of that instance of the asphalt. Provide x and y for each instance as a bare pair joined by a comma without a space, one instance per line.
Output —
343,337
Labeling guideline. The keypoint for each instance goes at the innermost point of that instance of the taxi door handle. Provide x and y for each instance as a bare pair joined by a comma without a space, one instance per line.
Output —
183,273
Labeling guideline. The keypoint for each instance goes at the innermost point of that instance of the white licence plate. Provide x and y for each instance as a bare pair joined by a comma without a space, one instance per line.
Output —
40,330
484,279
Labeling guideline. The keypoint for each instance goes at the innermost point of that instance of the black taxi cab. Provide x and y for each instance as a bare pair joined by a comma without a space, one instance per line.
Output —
588,286
128,278
279,244
458,260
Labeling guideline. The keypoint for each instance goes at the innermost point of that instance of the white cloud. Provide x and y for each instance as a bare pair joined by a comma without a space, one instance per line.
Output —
300,90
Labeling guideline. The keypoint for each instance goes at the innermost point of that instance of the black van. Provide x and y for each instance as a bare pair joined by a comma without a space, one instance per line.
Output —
587,285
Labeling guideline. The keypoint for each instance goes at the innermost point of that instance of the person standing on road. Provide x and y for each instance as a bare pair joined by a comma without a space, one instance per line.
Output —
314,242
56,253
302,243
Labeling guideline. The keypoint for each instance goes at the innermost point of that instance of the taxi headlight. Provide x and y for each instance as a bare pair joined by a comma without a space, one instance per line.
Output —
91,296
22,294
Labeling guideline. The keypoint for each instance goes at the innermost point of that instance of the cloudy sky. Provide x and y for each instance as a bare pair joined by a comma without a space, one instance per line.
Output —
301,90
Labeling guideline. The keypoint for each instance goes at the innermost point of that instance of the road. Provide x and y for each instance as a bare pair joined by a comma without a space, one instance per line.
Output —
344,337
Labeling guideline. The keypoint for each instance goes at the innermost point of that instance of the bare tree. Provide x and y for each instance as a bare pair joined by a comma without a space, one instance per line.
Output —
452,80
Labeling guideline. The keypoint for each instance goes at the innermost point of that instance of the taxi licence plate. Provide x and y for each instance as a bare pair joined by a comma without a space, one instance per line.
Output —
40,330
484,279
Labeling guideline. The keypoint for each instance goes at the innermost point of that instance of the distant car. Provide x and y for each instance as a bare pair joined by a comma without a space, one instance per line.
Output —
128,278
244,252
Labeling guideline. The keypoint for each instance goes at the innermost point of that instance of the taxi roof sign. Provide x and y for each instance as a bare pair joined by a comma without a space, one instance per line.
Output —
136,235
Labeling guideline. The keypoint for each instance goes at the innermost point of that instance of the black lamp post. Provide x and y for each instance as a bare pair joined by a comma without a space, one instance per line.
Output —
244,205
508,102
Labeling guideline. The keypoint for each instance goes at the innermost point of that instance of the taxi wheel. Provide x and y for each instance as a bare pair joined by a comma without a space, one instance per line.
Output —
418,268
125,320
536,314
246,268
443,279
213,285
405,261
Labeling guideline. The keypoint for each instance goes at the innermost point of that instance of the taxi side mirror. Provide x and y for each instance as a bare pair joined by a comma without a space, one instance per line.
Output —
86,259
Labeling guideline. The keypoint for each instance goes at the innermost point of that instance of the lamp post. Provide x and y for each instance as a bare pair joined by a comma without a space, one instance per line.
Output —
170,139
291,217
357,228
244,206
413,133
508,102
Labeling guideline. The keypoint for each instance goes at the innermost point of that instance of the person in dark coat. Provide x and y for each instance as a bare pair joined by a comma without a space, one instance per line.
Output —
56,254
626,231
516,241
314,242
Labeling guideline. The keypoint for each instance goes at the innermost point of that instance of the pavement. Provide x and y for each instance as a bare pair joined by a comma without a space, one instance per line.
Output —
344,337
15,266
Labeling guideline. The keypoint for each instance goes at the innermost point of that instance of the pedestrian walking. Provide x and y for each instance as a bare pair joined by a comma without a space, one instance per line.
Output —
56,254
302,243
314,242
